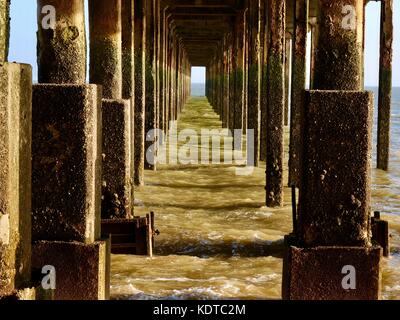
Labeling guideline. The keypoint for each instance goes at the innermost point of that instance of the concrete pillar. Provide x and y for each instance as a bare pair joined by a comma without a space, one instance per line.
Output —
239,86
150,83
288,61
139,92
107,39
15,173
299,72
106,46
66,185
339,45
128,32
61,48
128,86
333,227
254,76
276,103
312,26
264,36
4,29
385,84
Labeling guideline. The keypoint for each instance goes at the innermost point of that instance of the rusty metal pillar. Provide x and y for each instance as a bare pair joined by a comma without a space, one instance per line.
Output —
106,46
332,232
62,47
385,84
276,102
150,83
301,8
139,91
254,77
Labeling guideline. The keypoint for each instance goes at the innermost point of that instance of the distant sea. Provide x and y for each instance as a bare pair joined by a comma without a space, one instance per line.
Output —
198,89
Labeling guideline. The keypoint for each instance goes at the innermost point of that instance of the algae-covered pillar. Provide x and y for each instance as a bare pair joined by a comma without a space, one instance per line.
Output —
330,255
339,45
66,168
150,84
106,46
301,8
254,79
139,93
106,70
239,83
128,79
62,46
15,173
4,28
385,84
275,102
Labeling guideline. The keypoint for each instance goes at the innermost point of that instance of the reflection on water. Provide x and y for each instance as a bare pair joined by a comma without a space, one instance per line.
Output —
218,240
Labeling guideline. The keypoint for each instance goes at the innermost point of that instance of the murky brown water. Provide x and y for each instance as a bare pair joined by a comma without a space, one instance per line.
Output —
218,240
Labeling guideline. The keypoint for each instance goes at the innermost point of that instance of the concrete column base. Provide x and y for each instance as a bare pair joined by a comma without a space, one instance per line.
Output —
82,270
316,273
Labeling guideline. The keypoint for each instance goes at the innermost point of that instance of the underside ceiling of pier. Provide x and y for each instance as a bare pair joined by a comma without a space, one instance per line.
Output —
201,25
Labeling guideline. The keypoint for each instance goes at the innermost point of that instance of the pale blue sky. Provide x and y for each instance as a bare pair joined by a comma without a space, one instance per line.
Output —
23,40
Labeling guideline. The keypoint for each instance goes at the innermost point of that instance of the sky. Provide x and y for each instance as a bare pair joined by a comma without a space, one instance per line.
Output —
23,40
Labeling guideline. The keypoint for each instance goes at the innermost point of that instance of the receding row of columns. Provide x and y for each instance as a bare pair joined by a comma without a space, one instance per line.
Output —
250,89
87,145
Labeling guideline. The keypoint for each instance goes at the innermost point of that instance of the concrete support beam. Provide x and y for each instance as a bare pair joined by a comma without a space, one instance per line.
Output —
61,48
275,102
301,9
15,173
106,46
385,84
339,45
4,29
